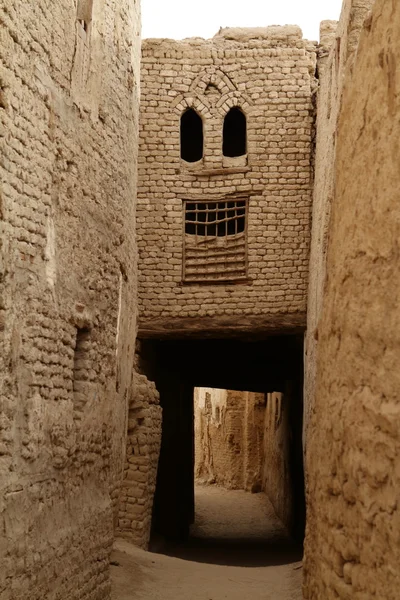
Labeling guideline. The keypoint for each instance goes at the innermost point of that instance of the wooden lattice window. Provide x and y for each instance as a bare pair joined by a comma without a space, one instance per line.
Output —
215,240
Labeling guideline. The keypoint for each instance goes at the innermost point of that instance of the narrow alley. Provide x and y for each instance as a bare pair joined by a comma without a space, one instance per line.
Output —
199,300
237,549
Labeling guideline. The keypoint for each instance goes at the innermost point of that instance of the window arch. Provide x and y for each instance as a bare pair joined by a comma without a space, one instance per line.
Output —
234,133
192,138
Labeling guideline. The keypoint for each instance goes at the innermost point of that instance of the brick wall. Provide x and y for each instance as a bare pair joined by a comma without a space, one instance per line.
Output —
69,108
142,453
269,74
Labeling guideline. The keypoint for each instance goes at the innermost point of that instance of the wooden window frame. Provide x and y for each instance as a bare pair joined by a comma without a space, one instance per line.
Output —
215,250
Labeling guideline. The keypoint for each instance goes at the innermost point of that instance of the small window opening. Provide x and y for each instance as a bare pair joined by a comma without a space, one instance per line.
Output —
234,133
217,414
215,219
215,245
191,136
211,89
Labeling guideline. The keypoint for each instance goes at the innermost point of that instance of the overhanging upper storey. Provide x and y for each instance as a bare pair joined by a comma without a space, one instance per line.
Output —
225,183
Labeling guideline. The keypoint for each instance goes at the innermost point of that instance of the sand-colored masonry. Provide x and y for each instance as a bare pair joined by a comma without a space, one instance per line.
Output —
69,84
79,426
352,548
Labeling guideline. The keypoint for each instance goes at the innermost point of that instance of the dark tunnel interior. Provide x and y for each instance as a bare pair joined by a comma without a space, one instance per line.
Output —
177,367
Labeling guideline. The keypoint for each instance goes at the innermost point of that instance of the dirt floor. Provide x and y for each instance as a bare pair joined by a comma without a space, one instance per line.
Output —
238,549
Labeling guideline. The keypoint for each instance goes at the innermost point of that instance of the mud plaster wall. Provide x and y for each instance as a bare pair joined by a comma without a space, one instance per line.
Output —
69,108
338,44
352,548
276,456
269,73
142,453
229,438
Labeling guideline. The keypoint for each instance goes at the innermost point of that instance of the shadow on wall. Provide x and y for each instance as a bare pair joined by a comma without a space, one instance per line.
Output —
177,368
142,454
283,474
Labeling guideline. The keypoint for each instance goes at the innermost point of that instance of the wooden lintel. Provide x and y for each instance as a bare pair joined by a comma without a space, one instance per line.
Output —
245,326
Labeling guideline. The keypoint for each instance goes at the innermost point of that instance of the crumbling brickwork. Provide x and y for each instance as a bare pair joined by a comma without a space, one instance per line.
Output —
224,241
353,519
69,111
142,453
269,74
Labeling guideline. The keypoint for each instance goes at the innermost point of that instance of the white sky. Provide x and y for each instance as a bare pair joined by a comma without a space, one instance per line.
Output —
178,19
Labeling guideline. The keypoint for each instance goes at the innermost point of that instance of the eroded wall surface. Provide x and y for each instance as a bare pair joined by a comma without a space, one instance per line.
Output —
269,74
229,438
252,441
338,45
352,548
276,476
142,454
68,110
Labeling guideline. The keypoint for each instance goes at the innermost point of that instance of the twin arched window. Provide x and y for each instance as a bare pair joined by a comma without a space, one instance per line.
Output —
192,138
234,134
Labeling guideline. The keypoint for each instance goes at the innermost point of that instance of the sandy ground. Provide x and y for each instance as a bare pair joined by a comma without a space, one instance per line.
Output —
238,550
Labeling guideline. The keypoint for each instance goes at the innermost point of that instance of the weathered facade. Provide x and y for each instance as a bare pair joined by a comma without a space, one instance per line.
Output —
229,433
276,474
337,49
141,462
249,225
245,440
223,227
69,98
352,548
224,207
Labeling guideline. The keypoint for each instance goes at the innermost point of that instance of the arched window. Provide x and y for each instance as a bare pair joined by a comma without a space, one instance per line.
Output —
234,133
191,136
